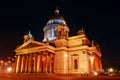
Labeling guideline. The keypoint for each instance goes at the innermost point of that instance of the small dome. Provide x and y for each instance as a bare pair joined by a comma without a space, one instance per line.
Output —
28,36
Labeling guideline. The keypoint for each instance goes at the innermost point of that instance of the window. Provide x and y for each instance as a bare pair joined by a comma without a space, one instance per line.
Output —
54,33
50,32
75,64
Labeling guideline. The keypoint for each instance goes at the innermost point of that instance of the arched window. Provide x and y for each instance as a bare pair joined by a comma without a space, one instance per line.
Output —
75,64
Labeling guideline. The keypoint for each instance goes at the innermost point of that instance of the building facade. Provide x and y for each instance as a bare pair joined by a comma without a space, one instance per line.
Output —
58,53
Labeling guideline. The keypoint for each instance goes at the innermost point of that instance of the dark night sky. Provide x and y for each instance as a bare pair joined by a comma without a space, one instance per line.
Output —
100,19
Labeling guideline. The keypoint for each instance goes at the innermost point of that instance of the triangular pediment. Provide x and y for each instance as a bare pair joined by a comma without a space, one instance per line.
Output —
30,44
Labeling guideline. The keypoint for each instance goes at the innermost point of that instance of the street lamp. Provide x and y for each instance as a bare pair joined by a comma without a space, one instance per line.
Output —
65,55
9,69
1,61
95,73
110,70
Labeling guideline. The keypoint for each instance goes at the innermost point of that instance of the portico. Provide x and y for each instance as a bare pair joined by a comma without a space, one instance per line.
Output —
37,59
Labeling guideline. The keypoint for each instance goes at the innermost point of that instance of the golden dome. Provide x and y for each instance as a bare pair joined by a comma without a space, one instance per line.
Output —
56,15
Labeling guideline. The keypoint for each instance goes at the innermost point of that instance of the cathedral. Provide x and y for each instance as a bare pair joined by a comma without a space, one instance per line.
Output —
58,53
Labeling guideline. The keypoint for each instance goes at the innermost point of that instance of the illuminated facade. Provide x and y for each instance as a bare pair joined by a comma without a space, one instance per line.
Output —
58,53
